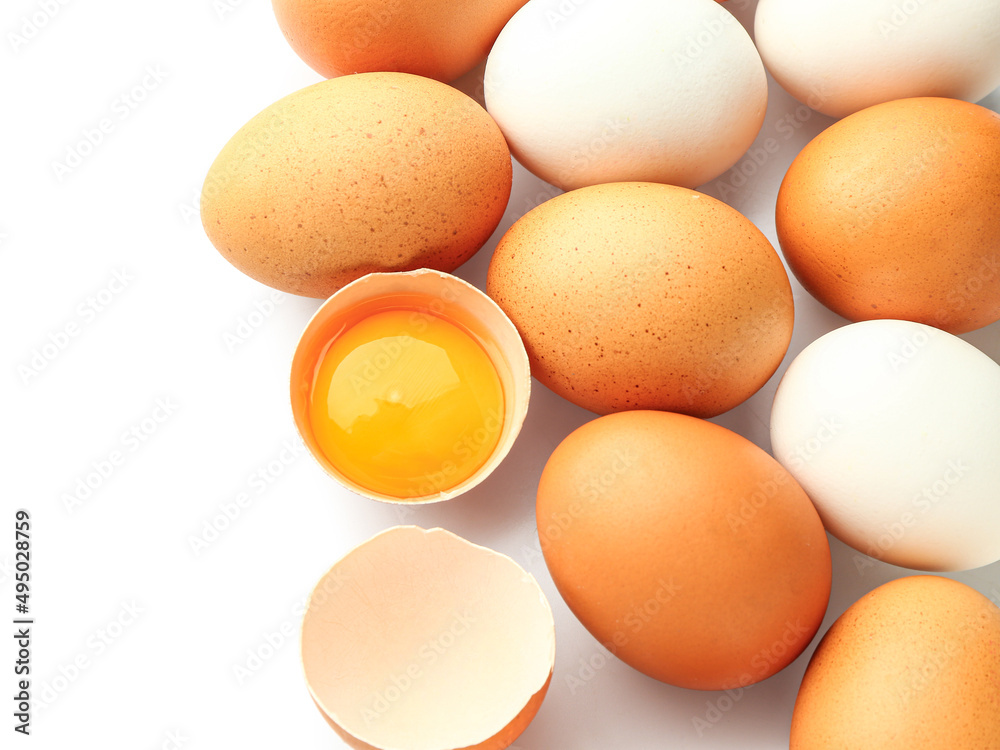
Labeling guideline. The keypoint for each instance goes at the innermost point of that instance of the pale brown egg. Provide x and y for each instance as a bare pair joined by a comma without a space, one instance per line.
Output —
365,173
685,549
892,213
913,664
439,39
644,296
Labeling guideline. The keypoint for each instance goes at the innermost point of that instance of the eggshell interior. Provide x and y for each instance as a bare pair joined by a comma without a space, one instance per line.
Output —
420,640
445,295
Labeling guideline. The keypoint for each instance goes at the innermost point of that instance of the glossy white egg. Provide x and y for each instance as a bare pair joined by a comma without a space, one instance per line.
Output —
839,56
632,90
893,430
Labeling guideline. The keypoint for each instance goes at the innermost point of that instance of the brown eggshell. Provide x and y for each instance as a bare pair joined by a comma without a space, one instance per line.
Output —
644,296
365,173
892,213
439,39
418,639
913,664
436,293
685,549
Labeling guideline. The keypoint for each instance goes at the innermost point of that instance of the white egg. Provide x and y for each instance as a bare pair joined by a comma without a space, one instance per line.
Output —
893,429
631,90
839,56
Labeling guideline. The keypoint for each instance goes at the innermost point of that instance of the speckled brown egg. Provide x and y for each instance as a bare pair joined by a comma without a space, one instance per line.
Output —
439,39
892,213
644,296
365,173
914,664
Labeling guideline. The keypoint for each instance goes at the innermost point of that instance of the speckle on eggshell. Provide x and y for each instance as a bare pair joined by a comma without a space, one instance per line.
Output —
365,173
644,296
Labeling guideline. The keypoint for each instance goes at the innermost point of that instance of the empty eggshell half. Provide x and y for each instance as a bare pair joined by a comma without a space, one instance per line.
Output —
420,640
436,293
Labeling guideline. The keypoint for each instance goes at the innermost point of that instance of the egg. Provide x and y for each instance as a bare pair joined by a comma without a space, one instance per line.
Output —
359,174
409,387
644,296
913,664
439,39
893,429
892,213
418,639
685,549
635,90
840,56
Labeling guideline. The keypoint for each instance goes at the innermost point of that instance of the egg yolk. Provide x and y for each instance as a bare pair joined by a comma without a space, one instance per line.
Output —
406,403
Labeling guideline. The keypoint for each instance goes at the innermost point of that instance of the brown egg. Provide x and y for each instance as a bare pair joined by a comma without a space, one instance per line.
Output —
914,664
892,213
439,39
365,173
685,549
644,296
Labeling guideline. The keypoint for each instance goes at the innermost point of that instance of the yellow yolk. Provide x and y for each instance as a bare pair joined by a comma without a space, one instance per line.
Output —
406,404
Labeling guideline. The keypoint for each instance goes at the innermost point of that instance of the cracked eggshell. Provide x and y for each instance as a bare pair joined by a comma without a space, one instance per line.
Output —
685,549
913,664
644,296
893,428
442,294
420,640
840,56
892,213
359,174
639,90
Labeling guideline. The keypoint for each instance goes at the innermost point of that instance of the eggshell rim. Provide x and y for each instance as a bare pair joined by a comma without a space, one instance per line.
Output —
532,705
489,315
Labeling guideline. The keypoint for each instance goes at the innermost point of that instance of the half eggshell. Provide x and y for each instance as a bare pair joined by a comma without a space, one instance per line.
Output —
420,640
442,294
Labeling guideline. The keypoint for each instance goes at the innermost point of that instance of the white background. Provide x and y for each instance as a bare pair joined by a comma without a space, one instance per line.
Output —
140,638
